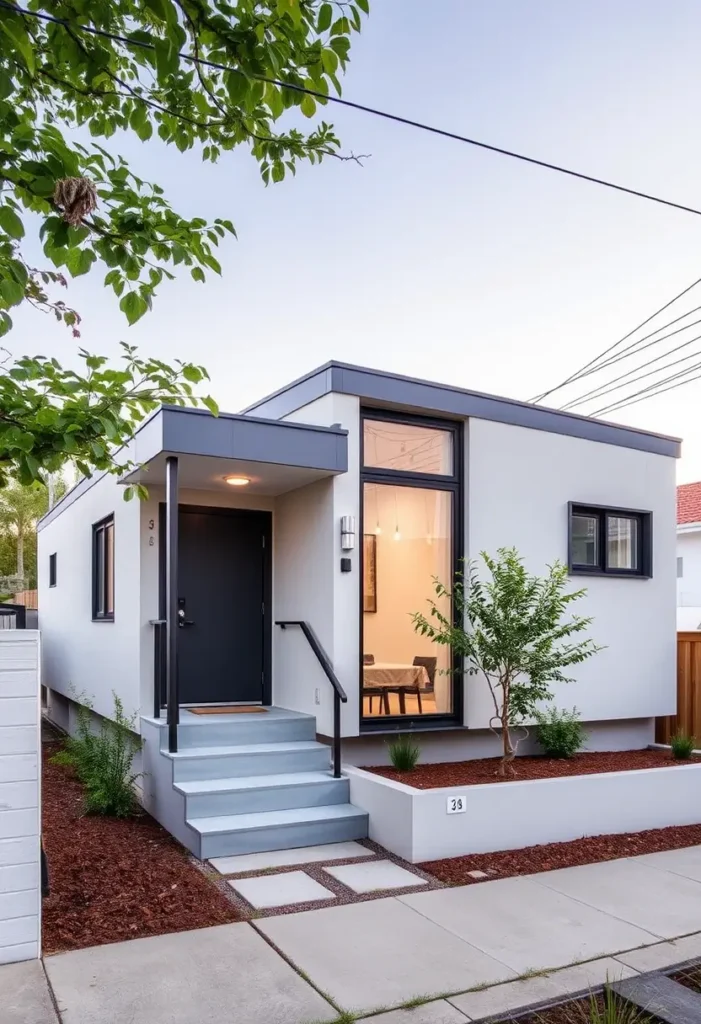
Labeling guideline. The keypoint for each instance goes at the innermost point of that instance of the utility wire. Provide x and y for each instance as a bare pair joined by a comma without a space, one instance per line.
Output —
600,392
581,372
362,107
578,401
649,391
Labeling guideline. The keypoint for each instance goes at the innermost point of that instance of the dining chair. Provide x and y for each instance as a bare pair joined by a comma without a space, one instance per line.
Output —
430,665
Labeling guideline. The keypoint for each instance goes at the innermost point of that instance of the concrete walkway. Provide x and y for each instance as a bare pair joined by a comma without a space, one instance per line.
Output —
461,951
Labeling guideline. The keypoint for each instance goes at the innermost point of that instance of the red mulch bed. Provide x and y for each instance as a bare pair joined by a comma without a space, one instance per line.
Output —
690,977
505,863
477,772
114,879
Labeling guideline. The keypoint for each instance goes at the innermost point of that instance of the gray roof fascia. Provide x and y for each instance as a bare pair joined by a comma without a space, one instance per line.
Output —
376,387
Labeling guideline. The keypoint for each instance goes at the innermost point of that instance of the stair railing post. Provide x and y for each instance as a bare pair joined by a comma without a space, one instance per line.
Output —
336,735
172,706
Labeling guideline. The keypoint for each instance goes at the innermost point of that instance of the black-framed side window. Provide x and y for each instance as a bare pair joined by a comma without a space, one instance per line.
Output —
52,570
607,541
411,531
103,570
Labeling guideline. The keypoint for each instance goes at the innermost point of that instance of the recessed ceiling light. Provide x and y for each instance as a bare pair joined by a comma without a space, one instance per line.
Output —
238,481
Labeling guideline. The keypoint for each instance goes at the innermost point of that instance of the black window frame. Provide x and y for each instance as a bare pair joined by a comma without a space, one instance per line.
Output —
602,513
99,576
52,570
454,484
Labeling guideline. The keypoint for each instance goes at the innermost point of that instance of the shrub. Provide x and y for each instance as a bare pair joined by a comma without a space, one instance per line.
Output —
682,746
560,733
404,752
102,760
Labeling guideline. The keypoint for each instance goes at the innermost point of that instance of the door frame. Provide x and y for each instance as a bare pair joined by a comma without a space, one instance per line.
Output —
266,518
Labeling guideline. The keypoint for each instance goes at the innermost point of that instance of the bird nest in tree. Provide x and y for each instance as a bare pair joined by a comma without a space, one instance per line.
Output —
76,198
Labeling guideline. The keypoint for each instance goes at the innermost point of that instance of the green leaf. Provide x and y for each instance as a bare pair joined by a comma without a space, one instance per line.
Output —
210,404
133,306
79,261
308,108
364,6
10,222
198,274
237,86
129,492
325,17
192,373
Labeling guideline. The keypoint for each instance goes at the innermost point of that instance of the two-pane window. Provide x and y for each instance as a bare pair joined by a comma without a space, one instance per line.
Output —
103,569
605,540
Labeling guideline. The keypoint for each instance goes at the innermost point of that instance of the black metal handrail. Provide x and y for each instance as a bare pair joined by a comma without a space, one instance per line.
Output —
339,694
159,665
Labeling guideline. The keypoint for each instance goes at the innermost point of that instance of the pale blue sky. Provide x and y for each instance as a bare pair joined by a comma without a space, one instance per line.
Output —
437,259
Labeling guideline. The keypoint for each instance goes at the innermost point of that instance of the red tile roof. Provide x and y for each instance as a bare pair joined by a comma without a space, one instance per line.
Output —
689,503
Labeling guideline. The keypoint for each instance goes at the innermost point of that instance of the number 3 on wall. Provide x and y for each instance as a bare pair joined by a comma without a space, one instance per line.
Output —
456,805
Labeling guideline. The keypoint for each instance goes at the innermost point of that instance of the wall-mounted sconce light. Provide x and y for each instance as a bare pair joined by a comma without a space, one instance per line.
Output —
347,533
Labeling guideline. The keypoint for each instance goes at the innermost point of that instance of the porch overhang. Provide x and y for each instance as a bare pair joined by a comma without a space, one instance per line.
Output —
273,455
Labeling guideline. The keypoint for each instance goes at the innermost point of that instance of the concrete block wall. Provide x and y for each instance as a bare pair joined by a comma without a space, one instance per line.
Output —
20,747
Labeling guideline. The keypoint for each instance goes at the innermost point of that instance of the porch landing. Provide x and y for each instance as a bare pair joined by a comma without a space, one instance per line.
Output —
246,783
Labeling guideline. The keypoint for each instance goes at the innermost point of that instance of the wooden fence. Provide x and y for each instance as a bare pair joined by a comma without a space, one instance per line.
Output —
26,597
688,716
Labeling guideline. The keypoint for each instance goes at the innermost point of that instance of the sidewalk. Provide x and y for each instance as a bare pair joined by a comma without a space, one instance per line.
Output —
611,919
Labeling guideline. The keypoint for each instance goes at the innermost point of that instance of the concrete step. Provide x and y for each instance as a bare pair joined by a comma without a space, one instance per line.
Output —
206,798
248,759
227,835
272,726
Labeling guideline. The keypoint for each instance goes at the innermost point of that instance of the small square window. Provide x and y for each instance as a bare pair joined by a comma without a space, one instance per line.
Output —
52,570
103,570
610,541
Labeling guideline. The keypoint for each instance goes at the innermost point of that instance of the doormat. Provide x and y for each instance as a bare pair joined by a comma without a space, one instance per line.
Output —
230,709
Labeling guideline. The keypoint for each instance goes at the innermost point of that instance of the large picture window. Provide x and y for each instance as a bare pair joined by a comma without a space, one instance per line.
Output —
410,501
103,570
610,541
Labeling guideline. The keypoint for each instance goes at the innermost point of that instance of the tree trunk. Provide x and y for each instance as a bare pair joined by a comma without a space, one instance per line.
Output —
20,554
506,767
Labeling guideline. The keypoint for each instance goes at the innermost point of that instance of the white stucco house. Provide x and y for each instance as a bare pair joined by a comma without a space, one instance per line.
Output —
275,567
689,556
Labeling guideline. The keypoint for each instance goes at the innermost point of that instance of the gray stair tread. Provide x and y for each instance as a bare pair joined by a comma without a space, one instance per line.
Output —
233,785
273,819
248,748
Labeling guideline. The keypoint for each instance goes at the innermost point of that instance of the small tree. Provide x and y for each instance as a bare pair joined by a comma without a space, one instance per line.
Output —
512,629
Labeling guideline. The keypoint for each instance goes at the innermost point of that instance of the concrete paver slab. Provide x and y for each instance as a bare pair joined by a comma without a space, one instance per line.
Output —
281,890
663,954
438,1012
582,977
374,876
24,995
379,953
680,862
286,858
503,998
662,903
212,976
525,925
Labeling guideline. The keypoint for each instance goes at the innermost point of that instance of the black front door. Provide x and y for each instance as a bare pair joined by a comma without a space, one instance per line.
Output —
223,583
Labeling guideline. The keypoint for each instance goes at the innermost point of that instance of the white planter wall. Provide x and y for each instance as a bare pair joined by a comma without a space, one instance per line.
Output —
415,824
20,745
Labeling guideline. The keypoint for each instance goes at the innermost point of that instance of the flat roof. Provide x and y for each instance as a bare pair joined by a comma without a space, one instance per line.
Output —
395,391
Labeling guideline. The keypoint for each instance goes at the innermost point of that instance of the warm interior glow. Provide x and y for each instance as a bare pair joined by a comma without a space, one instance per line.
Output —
238,481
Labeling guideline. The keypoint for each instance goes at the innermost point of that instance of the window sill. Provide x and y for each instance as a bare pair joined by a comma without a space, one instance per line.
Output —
103,618
608,575
391,725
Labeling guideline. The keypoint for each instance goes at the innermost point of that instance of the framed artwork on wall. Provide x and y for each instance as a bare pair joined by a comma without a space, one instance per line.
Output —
369,572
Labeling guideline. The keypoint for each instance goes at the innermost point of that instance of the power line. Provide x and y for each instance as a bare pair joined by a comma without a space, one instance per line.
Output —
362,107
581,372
600,392
578,401
650,391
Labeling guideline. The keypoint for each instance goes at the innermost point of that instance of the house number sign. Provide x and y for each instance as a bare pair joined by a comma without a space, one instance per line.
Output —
456,805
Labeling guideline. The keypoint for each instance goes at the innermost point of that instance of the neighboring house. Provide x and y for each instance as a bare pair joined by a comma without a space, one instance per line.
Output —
689,556
334,502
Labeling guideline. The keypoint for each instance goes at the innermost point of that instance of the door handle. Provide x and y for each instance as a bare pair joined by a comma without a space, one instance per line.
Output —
182,621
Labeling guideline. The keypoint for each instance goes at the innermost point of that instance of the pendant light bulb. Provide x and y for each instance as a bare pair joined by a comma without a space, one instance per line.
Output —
397,534
378,530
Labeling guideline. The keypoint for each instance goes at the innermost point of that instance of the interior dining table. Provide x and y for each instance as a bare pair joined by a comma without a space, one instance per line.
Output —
394,674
